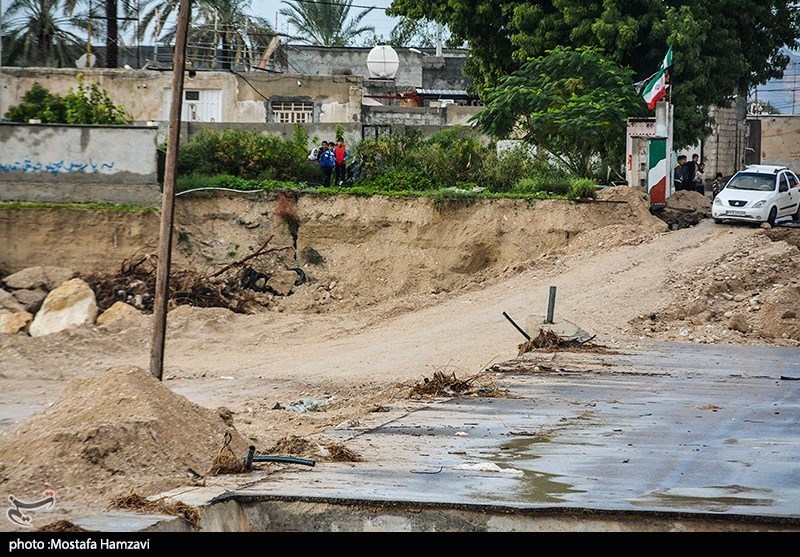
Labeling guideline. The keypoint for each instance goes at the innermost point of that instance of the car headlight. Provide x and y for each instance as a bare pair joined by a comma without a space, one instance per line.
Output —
758,204
717,201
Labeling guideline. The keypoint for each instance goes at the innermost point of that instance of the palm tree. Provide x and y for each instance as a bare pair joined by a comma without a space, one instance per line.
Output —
34,33
325,23
216,24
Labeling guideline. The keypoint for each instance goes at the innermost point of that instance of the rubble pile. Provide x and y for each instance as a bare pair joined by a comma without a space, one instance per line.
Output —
747,296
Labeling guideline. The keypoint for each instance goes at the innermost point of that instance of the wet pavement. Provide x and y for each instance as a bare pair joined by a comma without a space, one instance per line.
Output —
705,430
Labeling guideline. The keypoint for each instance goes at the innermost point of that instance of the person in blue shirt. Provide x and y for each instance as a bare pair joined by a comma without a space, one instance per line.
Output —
327,161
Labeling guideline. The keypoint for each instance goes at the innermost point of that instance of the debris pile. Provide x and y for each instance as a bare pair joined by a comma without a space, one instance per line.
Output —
299,446
447,385
749,295
684,208
108,434
548,340
137,503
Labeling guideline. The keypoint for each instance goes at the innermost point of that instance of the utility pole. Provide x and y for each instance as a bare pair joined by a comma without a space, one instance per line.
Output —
168,202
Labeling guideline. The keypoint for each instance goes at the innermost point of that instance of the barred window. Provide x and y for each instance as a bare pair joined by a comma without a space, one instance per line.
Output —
292,112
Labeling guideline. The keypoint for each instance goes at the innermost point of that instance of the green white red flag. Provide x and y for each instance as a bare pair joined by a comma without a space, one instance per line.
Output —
656,88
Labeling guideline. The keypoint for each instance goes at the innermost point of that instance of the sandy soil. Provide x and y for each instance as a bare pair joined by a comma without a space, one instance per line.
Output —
623,279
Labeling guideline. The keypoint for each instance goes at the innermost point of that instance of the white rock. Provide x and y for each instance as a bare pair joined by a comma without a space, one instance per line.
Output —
72,303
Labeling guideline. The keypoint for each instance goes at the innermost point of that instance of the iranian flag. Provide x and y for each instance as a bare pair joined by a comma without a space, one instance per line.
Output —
656,88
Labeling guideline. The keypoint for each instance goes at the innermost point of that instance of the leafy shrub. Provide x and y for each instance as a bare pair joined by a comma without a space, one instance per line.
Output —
247,154
582,188
543,184
84,105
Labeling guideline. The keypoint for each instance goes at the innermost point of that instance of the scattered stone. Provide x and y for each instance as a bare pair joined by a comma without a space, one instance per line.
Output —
13,322
789,314
72,303
31,299
766,225
31,278
727,296
738,322
282,282
739,298
117,312
9,302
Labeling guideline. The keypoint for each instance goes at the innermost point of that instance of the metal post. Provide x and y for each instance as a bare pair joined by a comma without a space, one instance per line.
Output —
551,305
168,203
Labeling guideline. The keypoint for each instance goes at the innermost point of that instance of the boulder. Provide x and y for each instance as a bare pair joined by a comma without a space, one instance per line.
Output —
31,278
31,299
117,312
9,303
13,322
72,303
738,322
282,282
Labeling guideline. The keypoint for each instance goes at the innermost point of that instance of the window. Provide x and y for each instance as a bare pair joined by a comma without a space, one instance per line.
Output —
792,180
292,112
192,95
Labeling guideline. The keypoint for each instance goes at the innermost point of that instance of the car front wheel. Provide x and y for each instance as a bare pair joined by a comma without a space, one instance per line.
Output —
773,214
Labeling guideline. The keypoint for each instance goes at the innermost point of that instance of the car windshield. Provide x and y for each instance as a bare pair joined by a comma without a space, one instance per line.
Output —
756,182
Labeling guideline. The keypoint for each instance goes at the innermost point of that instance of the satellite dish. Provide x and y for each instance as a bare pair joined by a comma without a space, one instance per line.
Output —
382,62
81,62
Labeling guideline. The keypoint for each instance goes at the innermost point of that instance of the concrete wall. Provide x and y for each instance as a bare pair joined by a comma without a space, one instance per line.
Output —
385,115
724,150
780,140
460,115
61,163
244,97
321,60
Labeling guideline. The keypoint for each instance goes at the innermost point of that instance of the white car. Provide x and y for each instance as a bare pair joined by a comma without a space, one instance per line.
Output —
759,193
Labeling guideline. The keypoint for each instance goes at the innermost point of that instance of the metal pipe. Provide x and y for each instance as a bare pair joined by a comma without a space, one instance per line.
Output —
526,335
248,462
286,459
551,305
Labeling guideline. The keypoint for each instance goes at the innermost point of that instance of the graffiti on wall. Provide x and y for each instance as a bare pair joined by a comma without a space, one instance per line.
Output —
56,168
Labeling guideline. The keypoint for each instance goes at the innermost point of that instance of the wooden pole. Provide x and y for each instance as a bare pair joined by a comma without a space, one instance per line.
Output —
168,203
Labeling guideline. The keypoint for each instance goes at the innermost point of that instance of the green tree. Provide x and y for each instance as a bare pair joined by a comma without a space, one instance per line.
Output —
37,33
572,103
325,23
215,24
721,47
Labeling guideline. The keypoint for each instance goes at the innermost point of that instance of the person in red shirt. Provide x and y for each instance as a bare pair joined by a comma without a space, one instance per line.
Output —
340,154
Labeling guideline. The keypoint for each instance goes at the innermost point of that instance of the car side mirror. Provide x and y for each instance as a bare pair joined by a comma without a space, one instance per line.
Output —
783,187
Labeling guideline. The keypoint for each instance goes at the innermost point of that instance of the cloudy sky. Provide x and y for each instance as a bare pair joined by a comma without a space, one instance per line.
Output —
377,17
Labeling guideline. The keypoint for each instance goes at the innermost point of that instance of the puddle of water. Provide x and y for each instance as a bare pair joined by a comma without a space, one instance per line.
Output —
533,486
714,498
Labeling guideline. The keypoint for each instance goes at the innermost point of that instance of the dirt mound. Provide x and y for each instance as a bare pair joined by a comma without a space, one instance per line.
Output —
684,208
749,295
107,435
690,201
299,446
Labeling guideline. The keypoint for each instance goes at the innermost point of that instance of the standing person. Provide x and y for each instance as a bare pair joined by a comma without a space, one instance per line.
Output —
700,179
341,153
326,162
691,170
679,174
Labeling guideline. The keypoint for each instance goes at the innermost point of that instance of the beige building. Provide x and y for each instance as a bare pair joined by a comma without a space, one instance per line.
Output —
209,96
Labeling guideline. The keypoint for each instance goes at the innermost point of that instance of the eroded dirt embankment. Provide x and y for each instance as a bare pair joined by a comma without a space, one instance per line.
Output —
370,249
